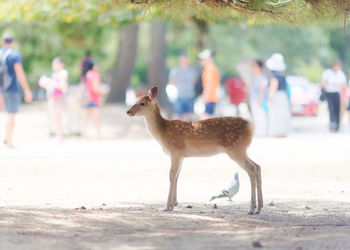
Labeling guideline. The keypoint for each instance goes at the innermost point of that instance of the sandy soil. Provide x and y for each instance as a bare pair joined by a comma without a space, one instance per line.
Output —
110,194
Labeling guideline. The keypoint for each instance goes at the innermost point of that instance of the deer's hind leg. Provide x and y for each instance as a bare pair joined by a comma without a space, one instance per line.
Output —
243,162
259,188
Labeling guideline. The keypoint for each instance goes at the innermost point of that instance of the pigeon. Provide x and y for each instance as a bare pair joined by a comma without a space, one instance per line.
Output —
230,191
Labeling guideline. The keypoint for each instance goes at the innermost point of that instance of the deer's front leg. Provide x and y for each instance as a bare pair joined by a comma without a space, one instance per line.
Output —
175,184
174,173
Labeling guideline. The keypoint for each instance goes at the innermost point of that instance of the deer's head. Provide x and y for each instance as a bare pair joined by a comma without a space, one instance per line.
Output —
145,104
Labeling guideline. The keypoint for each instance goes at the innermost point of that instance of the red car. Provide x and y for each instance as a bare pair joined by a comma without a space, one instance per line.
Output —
304,96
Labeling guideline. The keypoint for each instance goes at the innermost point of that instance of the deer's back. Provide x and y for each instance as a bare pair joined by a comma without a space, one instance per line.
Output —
210,134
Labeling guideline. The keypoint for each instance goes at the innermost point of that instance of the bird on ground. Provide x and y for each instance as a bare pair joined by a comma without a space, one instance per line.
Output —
230,191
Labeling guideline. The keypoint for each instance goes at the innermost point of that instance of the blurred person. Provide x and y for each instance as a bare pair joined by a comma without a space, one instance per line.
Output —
348,111
84,64
278,101
198,85
184,78
334,81
12,77
348,99
56,88
258,98
343,101
210,82
94,94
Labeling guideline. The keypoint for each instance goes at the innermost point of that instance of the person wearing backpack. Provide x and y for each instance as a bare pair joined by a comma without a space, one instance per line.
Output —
12,76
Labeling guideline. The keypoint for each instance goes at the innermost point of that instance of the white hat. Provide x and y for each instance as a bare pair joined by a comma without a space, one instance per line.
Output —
276,63
205,54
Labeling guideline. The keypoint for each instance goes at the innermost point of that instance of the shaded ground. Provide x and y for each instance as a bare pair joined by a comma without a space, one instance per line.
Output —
123,183
287,225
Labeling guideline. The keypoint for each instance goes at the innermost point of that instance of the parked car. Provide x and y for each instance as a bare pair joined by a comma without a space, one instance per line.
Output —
304,96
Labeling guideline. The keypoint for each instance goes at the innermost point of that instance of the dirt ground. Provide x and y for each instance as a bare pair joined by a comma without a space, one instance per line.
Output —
110,194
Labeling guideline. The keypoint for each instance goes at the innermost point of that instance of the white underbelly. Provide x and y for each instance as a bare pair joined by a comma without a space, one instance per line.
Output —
203,150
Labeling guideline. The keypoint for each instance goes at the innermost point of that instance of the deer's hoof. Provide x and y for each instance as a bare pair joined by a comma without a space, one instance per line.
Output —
250,213
170,208
175,204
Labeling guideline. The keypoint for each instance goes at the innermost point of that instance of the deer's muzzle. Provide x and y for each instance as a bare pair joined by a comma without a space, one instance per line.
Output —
130,113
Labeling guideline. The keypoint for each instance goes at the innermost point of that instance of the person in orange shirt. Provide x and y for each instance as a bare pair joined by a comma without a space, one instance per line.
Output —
210,81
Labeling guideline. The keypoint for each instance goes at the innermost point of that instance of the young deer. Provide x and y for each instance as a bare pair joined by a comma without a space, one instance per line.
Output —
180,139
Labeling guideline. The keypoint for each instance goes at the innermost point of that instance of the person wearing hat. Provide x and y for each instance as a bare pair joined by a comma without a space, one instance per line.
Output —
184,78
12,77
334,81
279,106
210,81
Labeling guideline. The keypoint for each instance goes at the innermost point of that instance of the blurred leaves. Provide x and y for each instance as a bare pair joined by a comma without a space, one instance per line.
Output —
39,43
237,29
67,11
311,71
118,12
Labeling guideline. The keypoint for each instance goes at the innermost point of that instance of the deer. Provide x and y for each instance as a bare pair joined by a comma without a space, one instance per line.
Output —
182,139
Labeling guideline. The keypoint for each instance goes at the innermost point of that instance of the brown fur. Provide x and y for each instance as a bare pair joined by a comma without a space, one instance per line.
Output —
230,135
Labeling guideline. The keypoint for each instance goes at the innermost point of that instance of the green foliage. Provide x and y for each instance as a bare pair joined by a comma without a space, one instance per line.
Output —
100,12
311,71
308,51
238,29
340,41
117,12
233,43
39,43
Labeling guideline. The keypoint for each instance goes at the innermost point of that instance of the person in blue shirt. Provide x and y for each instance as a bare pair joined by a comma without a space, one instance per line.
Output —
184,78
11,94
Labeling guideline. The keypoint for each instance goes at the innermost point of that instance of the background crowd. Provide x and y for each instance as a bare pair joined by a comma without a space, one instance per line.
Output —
13,77
266,91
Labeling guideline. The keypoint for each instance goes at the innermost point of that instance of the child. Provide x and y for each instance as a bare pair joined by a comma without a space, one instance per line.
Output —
94,94
56,86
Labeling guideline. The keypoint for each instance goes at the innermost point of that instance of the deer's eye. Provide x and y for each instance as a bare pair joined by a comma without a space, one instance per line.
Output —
142,104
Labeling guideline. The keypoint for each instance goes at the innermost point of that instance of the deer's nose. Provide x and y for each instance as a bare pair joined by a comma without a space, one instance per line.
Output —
128,112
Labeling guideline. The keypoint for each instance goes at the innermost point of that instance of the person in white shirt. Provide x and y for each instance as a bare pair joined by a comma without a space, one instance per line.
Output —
333,82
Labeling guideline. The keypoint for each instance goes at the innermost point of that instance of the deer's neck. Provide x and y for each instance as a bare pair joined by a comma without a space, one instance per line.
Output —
155,122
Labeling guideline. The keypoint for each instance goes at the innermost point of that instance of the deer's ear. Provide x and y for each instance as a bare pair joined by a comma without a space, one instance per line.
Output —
152,94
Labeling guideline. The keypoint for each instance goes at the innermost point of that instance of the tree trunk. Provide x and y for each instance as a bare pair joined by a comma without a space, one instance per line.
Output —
128,40
201,31
157,71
